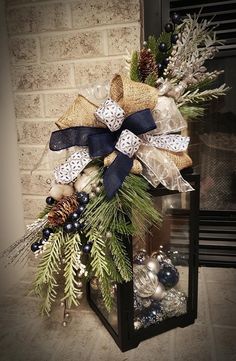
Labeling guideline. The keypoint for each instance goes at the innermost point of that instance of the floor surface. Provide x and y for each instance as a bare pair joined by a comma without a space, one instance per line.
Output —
24,335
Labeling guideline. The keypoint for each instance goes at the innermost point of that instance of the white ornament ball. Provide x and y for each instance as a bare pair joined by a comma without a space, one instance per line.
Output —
67,190
137,325
91,170
159,292
80,295
56,192
83,184
153,265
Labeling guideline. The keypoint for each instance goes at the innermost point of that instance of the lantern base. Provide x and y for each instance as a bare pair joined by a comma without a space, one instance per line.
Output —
132,339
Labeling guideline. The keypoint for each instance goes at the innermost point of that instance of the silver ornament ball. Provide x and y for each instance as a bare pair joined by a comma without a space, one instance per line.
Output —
80,284
153,265
145,282
98,190
159,292
80,295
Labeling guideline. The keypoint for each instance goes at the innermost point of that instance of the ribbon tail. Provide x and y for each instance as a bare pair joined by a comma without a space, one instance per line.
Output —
159,168
115,175
68,171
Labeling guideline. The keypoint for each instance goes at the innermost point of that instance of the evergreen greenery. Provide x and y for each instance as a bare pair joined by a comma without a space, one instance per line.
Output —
163,38
71,250
191,112
134,67
151,79
130,212
100,267
46,281
152,45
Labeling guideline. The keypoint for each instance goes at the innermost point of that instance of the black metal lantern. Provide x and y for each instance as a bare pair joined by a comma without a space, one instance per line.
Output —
177,239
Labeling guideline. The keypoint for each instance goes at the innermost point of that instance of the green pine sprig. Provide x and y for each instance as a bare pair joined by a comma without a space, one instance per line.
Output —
46,281
121,259
151,79
134,67
100,267
152,45
163,38
71,250
191,112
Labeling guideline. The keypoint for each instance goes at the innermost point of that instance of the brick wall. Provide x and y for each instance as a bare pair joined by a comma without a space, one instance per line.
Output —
56,47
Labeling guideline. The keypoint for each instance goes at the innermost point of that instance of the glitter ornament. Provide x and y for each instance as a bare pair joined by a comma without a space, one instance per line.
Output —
174,303
140,257
152,315
145,282
137,324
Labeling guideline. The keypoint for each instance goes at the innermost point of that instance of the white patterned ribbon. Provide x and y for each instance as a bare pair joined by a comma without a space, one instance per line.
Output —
128,143
110,114
67,172
172,142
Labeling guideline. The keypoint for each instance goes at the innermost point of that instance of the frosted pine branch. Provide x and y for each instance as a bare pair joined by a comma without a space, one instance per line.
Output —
197,97
196,43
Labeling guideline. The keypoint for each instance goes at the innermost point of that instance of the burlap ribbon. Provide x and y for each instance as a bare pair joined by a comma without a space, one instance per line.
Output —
159,164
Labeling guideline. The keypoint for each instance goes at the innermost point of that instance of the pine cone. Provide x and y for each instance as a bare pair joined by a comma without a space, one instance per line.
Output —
60,212
147,64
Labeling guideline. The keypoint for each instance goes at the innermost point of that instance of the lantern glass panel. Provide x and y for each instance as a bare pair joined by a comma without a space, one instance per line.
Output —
96,296
161,278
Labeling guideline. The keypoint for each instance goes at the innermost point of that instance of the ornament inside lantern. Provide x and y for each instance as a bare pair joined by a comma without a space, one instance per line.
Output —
163,292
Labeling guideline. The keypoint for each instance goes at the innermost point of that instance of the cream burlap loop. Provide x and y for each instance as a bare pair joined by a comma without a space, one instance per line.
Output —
80,113
132,96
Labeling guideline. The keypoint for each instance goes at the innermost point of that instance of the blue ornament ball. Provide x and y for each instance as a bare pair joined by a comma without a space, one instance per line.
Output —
81,195
46,232
80,209
87,247
84,199
34,247
168,275
68,227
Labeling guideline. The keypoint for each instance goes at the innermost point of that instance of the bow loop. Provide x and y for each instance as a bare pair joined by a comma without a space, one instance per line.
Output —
110,114
128,143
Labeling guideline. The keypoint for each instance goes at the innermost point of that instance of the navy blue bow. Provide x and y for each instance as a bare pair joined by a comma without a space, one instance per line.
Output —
101,142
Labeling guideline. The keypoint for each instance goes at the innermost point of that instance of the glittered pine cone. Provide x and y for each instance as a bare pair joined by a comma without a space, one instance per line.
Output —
132,96
60,212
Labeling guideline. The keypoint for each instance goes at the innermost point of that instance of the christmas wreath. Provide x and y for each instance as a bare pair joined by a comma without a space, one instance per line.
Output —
114,152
